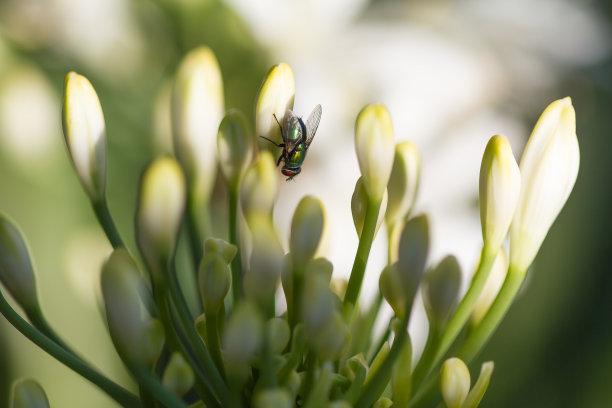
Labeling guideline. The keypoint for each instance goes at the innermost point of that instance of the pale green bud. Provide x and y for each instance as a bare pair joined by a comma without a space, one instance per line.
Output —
383,402
225,249
294,382
412,254
178,376
390,287
318,304
243,335
278,333
454,382
16,272
375,148
333,340
359,206
85,134
549,168
403,182
197,110
441,289
500,185
321,266
276,95
401,381
491,288
28,393
277,398
339,286
235,146
306,229
214,279
161,204
259,187
478,390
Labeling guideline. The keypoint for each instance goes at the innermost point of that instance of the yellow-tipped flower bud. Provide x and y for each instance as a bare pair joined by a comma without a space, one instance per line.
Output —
403,182
375,148
85,134
454,382
235,146
260,186
178,376
278,333
276,95
491,287
16,272
215,279
359,206
478,390
276,397
306,229
549,168
197,110
500,185
441,290
413,251
225,249
161,204
28,394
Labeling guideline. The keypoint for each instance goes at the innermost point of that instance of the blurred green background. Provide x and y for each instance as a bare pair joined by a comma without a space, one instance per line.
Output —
555,346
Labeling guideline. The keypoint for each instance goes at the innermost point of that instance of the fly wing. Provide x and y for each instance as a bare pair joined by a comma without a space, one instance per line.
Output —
312,123
292,131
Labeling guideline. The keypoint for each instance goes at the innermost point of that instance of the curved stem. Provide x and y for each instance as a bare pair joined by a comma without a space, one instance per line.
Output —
234,236
106,221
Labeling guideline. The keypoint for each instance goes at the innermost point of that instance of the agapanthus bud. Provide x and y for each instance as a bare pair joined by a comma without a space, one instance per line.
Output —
16,272
306,229
412,254
318,304
332,341
500,185
275,97
441,290
161,204
197,110
85,134
454,382
403,182
375,148
215,279
359,206
320,266
278,334
225,249
480,387
260,185
243,334
275,397
235,146
391,288
178,376
491,287
28,393
549,168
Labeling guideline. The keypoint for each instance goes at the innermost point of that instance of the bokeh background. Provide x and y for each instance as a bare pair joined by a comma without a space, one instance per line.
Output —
452,74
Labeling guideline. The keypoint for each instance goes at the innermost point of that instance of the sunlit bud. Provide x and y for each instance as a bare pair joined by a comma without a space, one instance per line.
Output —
375,148
401,381
276,397
178,376
278,333
479,389
491,287
549,168
28,394
260,185
403,183
454,382
161,204
85,134
390,287
306,229
359,206
235,146
500,185
16,272
412,254
383,402
243,334
197,110
215,279
275,97
225,249
441,289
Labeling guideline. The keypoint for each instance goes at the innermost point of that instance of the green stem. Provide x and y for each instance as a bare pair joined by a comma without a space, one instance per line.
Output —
195,235
234,237
157,389
105,219
427,356
39,321
294,305
361,259
122,396
373,352
212,337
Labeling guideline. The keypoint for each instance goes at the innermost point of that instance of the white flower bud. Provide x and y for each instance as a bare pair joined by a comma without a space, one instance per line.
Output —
275,97
454,382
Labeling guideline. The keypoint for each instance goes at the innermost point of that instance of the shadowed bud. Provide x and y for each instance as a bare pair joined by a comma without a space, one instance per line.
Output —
275,97
549,168
402,376
321,266
318,304
85,134
375,148
441,289
225,249
454,382
412,254
214,278
16,272
491,288
197,110
403,182
306,229
391,288
359,206
28,394
243,334
278,333
500,185
161,204
277,397
178,376
235,147
333,340
260,186
478,390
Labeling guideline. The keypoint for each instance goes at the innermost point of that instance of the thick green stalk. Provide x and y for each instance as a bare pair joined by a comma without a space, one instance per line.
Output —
122,396
234,237
212,337
106,221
